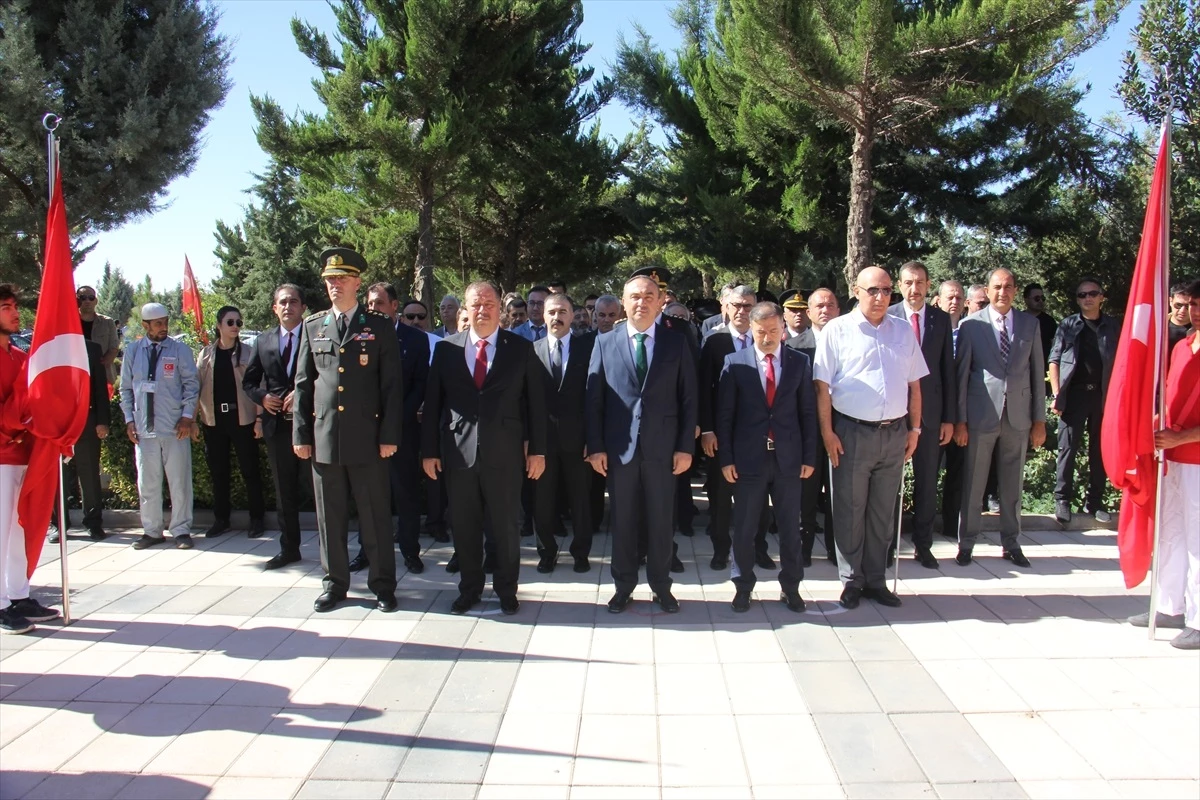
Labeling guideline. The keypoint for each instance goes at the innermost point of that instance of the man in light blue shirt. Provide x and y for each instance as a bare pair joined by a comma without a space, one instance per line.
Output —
534,328
159,389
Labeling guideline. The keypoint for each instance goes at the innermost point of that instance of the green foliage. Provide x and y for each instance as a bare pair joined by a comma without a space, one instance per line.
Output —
133,80
114,295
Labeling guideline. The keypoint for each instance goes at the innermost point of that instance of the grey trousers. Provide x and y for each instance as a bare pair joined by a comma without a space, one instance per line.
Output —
865,485
1010,445
158,456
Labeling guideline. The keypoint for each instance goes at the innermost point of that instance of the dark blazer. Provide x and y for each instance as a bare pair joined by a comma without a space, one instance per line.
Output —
939,389
617,405
99,411
348,392
267,374
712,360
743,418
463,424
1062,352
565,404
414,367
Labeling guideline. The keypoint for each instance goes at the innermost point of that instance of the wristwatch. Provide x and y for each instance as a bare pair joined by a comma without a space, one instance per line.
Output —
914,430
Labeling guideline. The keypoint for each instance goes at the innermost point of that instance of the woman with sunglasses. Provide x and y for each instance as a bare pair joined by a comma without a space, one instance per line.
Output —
230,420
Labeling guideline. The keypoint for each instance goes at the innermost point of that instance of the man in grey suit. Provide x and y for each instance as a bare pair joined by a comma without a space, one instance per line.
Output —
939,401
1001,408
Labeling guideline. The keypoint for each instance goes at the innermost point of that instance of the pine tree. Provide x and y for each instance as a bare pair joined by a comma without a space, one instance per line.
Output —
134,82
114,297
893,69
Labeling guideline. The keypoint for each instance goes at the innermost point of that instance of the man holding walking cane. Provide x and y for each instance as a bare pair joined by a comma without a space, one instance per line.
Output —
867,375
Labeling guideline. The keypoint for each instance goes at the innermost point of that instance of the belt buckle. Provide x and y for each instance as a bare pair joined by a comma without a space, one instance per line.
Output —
770,444
224,408
287,415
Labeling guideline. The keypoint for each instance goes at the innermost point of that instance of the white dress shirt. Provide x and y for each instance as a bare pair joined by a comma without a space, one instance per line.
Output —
629,329
920,312
994,318
868,368
472,349
761,357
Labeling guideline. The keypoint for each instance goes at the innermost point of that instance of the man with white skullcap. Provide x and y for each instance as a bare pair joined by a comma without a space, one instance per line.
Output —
159,389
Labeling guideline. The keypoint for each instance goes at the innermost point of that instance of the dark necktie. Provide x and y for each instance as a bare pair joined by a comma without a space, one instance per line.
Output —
150,376
556,365
341,326
287,355
1004,345
481,363
742,343
639,358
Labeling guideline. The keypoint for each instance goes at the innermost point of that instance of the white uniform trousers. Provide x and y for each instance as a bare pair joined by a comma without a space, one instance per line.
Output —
1179,544
158,456
14,580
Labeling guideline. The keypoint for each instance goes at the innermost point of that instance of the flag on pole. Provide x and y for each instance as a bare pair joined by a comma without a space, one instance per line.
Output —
1127,432
191,300
57,382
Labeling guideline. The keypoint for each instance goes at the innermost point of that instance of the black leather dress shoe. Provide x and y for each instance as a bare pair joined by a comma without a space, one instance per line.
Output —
547,563
891,559
441,537
719,562
359,563
582,564
619,602
328,601
676,564
925,558
763,560
489,564
97,533
509,605
806,559
963,558
883,596
257,528
1016,557
414,564
667,602
280,560
741,601
217,528
687,530
386,603
792,600
452,564
462,604
850,597
147,541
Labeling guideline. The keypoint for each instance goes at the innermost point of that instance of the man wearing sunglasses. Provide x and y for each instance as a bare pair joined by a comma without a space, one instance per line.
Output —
1178,324
100,329
1081,360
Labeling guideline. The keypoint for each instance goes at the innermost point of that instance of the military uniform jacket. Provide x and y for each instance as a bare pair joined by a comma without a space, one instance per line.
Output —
349,392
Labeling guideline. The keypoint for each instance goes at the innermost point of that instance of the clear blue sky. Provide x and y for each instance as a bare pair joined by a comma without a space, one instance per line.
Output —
266,62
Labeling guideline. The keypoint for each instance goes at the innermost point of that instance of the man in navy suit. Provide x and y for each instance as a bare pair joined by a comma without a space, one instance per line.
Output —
767,443
939,402
566,483
404,468
484,424
642,371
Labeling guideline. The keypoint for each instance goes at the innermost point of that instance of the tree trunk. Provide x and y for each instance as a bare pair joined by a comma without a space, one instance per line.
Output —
423,273
862,200
706,284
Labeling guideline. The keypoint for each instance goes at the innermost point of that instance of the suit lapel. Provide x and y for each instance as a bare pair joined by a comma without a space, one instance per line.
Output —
499,360
625,346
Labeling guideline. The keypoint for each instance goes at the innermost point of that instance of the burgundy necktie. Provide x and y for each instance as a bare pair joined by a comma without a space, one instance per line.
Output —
916,321
481,363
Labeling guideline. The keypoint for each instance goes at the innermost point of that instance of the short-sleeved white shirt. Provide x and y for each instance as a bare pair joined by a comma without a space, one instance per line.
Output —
868,368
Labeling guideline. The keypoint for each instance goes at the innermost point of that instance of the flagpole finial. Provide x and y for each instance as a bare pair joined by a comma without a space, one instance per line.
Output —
51,122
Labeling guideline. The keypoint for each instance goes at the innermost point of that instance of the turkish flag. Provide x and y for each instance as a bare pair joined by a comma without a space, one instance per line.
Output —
55,390
1127,433
191,300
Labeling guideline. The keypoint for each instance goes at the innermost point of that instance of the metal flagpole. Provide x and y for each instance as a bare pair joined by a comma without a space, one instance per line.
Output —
50,122
1163,298
899,523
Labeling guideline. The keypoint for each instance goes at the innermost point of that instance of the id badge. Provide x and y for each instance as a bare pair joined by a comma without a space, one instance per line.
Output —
148,387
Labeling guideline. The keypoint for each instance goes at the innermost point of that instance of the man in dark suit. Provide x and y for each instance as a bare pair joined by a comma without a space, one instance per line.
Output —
939,402
348,405
485,428
733,338
641,371
404,468
85,464
1001,408
766,433
567,479
270,381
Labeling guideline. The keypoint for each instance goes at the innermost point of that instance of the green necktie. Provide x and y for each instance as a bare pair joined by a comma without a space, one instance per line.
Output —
639,357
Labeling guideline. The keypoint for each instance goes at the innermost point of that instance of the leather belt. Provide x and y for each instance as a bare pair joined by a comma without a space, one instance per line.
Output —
883,423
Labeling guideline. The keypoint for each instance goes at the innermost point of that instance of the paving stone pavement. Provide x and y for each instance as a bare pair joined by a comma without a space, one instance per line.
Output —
194,674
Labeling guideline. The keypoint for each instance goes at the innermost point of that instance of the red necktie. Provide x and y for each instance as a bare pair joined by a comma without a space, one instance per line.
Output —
481,363
916,321
770,371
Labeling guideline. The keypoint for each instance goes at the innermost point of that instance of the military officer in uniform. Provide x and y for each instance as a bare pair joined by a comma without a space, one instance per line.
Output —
348,401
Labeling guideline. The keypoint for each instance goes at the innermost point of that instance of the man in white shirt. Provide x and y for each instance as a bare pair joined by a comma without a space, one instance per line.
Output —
867,375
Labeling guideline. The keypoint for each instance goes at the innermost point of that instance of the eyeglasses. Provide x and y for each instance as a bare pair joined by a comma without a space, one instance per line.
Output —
1087,294
1179,306
877,291
413,317
85,297
742,306
232,322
